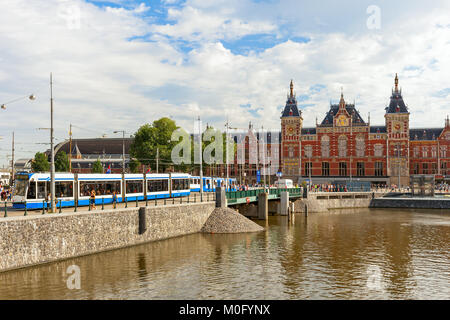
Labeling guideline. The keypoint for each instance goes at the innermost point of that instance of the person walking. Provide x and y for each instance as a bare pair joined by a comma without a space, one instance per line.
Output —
93,199
114,199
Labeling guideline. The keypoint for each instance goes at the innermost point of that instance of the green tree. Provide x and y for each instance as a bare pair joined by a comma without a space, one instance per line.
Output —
40,163
152,139
134,166
62,163
97,167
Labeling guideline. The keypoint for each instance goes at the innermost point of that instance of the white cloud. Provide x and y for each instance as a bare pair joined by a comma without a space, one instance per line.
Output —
104,82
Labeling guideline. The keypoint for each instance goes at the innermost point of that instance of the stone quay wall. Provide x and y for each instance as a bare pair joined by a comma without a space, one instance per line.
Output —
413,203
324,201
31,240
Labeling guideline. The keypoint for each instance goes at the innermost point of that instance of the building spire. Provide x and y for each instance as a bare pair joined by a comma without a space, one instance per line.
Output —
396,83
292,88
447,123
342,101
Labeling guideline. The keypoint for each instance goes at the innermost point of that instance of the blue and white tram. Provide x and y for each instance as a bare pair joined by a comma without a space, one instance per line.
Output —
34,188
210,184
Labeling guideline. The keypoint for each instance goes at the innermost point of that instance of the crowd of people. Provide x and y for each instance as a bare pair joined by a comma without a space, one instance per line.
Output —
442,188
5,193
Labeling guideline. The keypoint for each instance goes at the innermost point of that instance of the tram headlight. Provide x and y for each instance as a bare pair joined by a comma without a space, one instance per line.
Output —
3,107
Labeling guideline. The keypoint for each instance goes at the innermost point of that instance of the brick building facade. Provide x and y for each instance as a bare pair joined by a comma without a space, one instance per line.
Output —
344,146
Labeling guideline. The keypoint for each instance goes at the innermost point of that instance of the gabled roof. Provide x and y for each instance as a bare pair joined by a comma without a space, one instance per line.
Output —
357,120
378,129
425,134
291,109
396,105
306,131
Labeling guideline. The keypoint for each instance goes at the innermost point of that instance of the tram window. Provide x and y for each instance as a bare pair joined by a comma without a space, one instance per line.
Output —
180,184
134,186
87,187
31,190
64,189
157,185
41,190
110,187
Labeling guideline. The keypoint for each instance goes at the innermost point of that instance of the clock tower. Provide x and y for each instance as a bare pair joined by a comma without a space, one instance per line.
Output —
397,127
291,128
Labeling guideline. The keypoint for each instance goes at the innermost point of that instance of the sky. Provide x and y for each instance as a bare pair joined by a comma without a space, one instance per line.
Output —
120,64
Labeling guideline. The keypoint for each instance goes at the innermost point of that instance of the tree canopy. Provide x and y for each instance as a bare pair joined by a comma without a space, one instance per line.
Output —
62,162
97,167
152,139
134,166
40,163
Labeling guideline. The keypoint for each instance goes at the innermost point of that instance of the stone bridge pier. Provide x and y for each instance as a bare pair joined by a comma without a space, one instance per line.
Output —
263,207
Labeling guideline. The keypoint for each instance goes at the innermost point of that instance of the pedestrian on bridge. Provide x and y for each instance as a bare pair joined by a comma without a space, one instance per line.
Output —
92,199
114,199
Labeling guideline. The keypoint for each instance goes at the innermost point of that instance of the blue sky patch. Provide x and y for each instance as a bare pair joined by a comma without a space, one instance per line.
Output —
257,43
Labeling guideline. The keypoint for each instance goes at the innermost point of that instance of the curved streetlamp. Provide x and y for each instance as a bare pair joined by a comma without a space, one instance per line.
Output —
123,148
31,97
3,107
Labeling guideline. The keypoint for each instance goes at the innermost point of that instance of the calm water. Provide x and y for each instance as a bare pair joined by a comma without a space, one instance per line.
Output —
360,254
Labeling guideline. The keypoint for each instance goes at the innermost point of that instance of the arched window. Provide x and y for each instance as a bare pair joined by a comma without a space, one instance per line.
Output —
325,146
308,151
291,152
360,146
342,146
378,150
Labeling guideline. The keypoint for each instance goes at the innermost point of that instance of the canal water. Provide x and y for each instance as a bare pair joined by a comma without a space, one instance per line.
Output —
351,254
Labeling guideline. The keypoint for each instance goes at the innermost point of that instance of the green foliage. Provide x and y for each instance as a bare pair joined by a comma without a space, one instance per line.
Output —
134,166
62,163
157,135
97,167
40,163
150,138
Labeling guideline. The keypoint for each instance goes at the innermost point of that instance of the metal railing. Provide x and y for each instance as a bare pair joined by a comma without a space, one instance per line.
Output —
252,195
45,209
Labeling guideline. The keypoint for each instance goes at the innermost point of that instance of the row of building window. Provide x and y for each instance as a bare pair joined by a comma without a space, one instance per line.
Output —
430,168
426,152
360,150
343,171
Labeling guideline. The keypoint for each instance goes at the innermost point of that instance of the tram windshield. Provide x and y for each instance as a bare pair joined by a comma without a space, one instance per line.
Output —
20,187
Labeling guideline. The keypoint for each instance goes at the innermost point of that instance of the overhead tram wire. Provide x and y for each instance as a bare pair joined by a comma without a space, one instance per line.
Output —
89,129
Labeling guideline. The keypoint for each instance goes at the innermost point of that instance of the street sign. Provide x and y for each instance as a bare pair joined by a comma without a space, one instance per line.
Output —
279,174
258,176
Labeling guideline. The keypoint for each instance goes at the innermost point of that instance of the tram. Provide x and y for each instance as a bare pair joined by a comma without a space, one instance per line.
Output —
33,189
210,183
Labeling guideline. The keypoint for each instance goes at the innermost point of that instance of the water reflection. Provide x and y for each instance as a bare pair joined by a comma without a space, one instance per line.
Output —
351,254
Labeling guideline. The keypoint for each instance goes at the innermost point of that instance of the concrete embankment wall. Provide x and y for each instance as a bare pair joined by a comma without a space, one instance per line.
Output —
26,241
321,202
418,203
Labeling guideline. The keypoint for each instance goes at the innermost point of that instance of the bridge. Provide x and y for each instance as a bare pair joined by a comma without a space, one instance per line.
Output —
249,196
255,203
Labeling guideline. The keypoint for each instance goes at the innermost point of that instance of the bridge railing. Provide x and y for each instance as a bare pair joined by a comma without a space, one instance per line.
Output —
232,196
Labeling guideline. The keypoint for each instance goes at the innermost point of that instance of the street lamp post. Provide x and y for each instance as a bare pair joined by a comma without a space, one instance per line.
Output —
201,157
399,154
52,165
3,107
123,149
